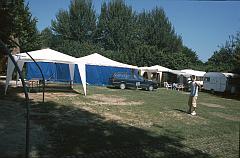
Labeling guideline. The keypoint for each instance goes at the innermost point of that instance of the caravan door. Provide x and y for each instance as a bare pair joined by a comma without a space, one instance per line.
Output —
223,84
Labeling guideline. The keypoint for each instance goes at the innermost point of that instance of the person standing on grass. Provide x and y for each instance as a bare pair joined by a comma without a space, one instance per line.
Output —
192,102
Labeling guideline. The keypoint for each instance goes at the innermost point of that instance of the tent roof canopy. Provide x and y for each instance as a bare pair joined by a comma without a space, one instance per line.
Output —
161,68
179,72
97,59
156,68
47,55
193,72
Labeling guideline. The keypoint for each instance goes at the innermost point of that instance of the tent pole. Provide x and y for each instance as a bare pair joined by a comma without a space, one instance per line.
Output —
43,78
26,98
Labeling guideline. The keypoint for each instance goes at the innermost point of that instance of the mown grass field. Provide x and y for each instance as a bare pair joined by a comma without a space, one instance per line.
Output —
121,123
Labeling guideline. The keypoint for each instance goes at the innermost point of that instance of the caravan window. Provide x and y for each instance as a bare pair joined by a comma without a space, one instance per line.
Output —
207,79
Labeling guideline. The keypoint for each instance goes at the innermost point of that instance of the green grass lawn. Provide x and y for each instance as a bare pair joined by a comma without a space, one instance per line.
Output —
133,123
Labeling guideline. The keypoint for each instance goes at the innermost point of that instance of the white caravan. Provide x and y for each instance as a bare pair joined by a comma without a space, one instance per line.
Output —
221,82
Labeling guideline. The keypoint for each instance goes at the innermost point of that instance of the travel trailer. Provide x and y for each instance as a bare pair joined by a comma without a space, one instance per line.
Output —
221,82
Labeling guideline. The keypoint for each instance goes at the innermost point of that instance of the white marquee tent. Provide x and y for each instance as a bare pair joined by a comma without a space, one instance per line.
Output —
99,68
47,55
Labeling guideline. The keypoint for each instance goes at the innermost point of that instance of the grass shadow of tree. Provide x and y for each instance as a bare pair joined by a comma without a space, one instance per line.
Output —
79,133
67,131
224,95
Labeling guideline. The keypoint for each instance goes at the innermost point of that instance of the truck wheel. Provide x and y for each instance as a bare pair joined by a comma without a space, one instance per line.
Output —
150,88
122,86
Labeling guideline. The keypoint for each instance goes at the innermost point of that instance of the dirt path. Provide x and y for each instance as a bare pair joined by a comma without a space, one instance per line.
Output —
212,105
112,100
226,116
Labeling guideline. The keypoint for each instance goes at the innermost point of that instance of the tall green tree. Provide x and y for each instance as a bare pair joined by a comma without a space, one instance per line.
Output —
227,58
73,29
142,39
156,30
115,26
46,38
17,23
62,26
236,54
78,23
221,60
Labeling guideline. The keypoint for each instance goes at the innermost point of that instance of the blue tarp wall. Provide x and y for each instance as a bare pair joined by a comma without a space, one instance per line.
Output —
99,75
95,75
51,71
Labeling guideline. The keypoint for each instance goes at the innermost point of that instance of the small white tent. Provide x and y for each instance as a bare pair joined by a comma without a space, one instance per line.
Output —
157,70
46,55
161,68
194,72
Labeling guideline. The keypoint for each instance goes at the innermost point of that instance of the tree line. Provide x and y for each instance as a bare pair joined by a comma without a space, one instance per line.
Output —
227,58
143,39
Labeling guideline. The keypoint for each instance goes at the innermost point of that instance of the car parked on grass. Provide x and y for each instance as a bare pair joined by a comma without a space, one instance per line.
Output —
127,80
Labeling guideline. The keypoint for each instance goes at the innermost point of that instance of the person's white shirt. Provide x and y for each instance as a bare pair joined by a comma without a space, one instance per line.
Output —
194,89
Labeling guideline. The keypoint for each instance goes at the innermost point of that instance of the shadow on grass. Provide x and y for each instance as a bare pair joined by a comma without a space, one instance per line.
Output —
53,87
76,132
67,131
12,123
224,95
182,111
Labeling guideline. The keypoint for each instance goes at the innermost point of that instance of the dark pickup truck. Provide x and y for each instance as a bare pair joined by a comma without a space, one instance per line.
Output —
125,80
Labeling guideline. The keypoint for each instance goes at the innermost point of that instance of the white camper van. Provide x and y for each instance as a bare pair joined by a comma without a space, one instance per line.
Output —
221,82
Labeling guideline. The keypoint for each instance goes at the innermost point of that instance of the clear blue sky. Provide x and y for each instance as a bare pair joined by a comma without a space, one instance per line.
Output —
203,25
